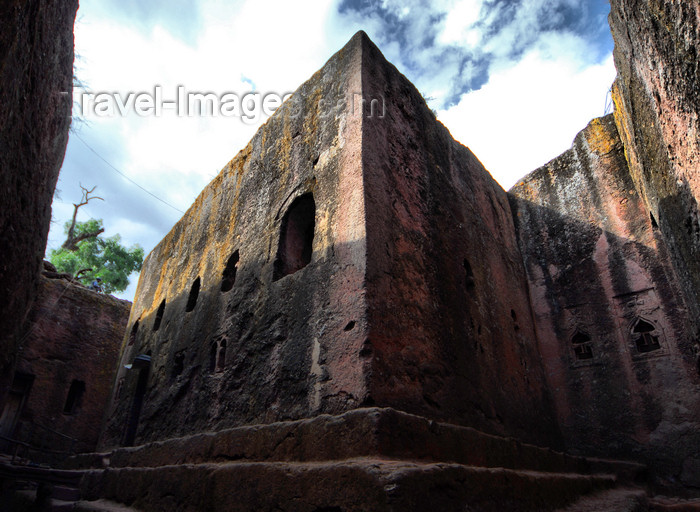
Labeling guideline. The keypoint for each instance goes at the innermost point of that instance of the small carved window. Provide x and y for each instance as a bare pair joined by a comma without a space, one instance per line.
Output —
134,331
213,352
221,357
645,336
178,364
468,276
514,317
582,346
194,293
75,397
296,237
217,356
229,274
159,316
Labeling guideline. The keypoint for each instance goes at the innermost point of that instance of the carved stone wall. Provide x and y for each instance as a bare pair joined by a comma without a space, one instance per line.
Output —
352,254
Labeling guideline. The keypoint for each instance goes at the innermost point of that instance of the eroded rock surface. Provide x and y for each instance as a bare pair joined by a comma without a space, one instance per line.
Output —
352,254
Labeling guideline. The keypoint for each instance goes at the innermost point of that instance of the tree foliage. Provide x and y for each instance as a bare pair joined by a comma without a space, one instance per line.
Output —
105,258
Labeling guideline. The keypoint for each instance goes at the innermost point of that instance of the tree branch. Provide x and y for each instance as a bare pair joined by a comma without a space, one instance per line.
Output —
77,239
81,271
71,243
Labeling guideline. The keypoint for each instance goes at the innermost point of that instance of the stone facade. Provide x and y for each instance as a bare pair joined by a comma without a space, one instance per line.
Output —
450,321
353,254
36,70
66,367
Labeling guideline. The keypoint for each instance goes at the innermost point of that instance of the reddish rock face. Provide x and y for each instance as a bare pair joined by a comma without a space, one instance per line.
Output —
450,325
614,330
66,366
36,69
352,254
657,104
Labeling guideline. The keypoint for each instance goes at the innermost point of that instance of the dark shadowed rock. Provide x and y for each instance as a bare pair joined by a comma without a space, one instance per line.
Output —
66,367
365,459
36,69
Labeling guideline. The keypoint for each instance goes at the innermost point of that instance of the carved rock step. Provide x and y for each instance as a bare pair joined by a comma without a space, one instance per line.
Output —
340,486
613,500
631,500
669,504
65,493
372,432
26,500
49,489
101,506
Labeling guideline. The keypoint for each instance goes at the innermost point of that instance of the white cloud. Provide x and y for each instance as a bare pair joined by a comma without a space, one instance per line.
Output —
530,111
459,28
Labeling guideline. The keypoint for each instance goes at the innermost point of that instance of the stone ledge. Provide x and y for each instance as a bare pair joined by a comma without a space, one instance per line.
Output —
372,432
349,485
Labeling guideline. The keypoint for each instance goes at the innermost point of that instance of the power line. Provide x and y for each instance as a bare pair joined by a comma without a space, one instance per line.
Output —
125,176
608,102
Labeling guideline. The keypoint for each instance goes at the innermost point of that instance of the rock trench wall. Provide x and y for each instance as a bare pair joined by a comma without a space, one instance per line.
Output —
614,330
36,70
657,104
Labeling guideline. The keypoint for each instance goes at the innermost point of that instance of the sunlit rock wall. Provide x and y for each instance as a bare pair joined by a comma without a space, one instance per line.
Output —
450,323
614,330
271,347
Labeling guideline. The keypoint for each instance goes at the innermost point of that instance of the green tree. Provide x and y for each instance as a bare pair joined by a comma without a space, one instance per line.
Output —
91,256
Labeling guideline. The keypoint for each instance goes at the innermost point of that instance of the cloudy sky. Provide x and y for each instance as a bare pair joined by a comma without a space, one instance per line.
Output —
514,80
